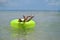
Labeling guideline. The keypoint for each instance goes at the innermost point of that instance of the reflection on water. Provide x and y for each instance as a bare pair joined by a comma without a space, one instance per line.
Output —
47,25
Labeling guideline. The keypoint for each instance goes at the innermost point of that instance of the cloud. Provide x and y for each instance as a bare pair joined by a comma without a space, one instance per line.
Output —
3,1
28,4
53,2
18,3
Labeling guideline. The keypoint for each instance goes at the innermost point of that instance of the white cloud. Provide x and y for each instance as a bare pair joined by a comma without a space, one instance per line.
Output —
53,2
15,3
18,3
3,1
28,1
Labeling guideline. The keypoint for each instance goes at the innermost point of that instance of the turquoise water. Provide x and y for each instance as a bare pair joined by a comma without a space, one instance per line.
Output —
47,25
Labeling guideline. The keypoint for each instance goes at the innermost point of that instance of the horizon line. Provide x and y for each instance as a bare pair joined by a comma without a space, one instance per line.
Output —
32,10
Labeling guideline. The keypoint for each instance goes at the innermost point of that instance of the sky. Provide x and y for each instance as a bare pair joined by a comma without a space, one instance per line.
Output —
29,4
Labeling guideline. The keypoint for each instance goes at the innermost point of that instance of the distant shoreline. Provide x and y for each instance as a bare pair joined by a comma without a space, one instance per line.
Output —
34,10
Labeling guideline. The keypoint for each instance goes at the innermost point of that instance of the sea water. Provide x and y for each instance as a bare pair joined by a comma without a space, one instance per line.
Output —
47,25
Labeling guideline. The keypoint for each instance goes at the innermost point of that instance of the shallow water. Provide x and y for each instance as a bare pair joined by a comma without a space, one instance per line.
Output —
47,25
